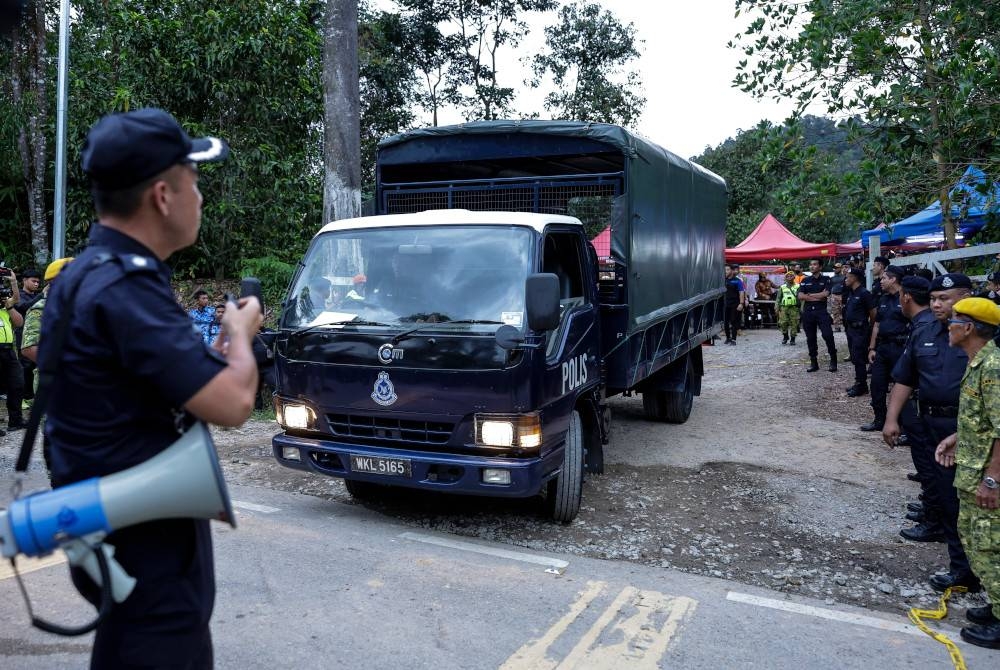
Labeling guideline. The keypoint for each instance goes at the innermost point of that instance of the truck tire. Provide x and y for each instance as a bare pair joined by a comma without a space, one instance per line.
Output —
566,491
671,406
360,490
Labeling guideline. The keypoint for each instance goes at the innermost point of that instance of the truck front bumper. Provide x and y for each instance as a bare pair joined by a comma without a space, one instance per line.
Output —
432,471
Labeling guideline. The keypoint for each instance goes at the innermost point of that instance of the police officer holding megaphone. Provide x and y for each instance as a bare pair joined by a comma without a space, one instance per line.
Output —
128,384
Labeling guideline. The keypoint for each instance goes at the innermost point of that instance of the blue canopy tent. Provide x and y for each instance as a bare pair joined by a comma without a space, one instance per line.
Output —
969,210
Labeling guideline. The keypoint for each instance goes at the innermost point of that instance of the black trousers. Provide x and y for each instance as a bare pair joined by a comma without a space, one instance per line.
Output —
886,355
922,445
12,377
29,379
857,344
939,428
817,317
731,324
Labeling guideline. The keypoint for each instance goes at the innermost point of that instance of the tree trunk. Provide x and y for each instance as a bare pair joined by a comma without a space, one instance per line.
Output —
342,122
30,93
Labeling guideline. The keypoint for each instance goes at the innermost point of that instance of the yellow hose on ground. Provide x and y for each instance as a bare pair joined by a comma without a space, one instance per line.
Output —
917,616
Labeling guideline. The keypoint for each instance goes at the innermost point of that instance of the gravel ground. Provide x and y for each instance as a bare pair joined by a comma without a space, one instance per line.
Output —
769,483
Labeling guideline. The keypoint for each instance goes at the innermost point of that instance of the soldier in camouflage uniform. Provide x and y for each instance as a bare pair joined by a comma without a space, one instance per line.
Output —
787,303
975,452
32,335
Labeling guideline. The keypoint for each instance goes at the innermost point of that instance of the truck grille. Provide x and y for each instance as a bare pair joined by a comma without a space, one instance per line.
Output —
384,429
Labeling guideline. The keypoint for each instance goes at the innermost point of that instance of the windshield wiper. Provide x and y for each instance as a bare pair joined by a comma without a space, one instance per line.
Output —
352,322
476,322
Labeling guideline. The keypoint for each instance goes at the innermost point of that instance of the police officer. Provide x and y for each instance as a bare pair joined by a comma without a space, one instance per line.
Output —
132,374
859,314
886,343
936,369
879,266
735,302
787,304
813,293
917,370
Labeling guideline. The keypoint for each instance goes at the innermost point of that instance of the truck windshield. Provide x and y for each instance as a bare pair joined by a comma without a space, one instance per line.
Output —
403,277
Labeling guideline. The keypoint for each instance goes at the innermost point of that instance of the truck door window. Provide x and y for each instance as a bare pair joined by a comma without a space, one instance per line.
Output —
562,258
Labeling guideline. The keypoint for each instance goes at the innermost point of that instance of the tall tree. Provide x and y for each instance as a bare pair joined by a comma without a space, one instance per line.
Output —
388,84
923,73
30,96
588,55
484,29
432,54
341,112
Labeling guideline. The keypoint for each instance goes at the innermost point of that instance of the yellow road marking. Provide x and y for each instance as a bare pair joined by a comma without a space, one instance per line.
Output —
633,632
26,565
534,654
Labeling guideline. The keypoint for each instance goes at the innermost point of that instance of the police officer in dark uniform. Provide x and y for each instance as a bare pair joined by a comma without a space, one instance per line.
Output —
813,293
914,299
133,373
859,314
936,369
879,266
886,344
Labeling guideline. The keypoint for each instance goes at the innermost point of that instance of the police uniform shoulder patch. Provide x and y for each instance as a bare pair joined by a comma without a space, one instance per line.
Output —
137,263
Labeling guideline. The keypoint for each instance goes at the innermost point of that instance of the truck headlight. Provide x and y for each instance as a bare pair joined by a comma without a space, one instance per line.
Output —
509,430
297,416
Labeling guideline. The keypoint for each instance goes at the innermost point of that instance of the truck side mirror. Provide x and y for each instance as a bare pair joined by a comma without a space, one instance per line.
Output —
542,301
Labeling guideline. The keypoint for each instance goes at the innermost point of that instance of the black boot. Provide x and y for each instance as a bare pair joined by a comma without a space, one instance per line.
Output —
784,339
792,341
814,367
981,615
833,365
926,531
941,583
857,390
873,426
983,636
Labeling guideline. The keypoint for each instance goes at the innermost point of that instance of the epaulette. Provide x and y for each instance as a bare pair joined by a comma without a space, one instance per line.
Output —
132,263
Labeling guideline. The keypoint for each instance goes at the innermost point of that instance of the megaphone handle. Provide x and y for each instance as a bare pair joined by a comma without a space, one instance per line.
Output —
104,579
82,554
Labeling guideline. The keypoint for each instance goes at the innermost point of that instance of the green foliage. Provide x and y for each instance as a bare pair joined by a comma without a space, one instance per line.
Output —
588,54
274,275
800,172
924,75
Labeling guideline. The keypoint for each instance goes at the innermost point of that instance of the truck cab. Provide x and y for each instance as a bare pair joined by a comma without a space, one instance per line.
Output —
444,350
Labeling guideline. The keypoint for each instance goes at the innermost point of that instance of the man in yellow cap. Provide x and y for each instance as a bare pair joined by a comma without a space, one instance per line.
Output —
32,335
974,452
787,304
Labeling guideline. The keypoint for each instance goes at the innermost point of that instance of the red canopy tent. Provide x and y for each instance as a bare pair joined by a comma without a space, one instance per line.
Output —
602,243
771,240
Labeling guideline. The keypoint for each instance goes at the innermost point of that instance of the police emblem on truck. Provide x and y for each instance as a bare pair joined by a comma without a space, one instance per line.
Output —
574,373
384,393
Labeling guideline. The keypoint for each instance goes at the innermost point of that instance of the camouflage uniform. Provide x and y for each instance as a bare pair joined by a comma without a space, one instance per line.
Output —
33,329
978,427
788,316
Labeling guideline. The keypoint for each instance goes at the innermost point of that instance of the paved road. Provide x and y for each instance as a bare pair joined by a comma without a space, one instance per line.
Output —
308,583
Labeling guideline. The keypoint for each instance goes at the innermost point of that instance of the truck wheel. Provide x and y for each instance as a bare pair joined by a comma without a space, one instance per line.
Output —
678,404
360,490
671,406
565,491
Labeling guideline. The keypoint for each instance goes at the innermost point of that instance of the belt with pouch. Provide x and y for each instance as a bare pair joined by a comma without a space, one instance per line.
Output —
938,411
857,324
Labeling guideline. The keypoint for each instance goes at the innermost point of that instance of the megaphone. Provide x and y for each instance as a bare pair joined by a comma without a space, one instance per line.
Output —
183,481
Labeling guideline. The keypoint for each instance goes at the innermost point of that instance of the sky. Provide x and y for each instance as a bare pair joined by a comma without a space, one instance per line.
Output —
686,70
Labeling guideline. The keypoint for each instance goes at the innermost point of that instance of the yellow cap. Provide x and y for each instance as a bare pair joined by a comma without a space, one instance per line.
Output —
979,309
55,267
789,274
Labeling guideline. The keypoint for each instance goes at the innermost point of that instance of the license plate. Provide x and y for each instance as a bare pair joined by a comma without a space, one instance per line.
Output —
376,465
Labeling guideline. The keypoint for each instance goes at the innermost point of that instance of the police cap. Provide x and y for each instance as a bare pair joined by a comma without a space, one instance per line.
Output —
896,272
789,274
951,280
916,284
125,149
980,309
55,267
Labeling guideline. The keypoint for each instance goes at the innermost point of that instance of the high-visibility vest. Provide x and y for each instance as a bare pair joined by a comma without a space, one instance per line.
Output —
788,295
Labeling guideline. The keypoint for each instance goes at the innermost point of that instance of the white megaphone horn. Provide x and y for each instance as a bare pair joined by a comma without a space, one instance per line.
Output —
182,482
